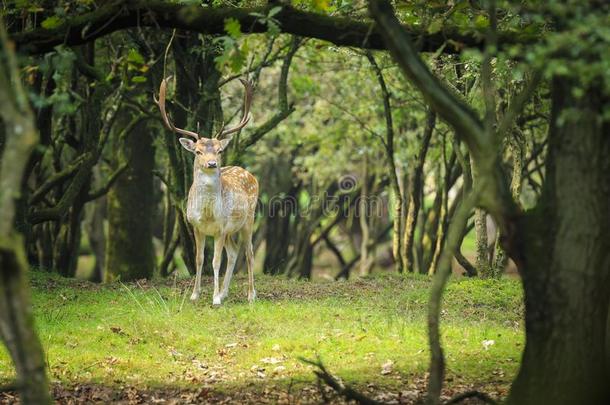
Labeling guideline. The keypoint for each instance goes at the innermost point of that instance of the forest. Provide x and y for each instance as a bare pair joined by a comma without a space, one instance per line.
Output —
414,197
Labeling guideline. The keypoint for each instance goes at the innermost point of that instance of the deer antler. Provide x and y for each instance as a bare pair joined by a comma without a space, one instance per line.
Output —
245,118
161,104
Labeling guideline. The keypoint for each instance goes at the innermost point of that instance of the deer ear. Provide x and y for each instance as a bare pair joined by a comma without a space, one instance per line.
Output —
187,144
225,142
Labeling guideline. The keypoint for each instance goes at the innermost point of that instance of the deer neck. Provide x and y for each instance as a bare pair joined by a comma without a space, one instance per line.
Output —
207,187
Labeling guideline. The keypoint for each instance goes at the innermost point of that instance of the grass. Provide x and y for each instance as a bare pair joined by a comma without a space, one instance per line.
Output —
370,331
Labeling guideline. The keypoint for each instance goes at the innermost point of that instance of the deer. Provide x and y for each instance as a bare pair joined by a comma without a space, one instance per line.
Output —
221,201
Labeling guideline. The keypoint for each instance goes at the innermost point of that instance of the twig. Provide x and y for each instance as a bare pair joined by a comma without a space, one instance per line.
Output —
471,394
344,390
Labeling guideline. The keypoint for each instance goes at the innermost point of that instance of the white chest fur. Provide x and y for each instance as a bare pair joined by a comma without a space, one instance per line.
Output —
205,205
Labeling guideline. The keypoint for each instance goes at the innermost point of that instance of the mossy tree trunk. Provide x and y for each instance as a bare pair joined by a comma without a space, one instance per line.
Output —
564,260
16,320
131,209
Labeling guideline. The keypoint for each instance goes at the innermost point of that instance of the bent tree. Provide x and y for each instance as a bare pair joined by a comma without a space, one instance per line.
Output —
561,246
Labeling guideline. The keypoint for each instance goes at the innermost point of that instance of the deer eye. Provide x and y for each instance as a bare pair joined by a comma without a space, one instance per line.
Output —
220,150
198,152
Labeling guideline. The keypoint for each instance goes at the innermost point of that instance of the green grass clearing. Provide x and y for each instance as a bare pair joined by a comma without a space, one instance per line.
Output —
370,332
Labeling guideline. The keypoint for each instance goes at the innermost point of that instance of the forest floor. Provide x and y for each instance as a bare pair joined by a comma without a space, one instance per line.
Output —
145,342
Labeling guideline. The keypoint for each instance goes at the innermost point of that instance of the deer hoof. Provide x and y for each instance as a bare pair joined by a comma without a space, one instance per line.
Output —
251,296
195,296
217,300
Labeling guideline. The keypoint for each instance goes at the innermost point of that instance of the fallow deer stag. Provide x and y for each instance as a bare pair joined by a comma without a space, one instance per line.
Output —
222,200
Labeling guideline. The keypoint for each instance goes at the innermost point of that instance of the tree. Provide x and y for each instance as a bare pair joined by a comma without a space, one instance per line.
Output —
19,137
562,257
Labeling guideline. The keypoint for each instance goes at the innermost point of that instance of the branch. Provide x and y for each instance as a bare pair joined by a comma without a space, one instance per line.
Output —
346,269
518,103
55,179
495,195
357,118
118,15
489,97
481,396
59,210
442,273
458,114
285,108
387,109
344,390
103,190
266,61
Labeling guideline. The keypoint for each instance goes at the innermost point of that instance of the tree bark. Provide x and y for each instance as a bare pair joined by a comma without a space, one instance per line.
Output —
564,259
16,319
414,194
131,208
482,251
398,197
341,31
363,219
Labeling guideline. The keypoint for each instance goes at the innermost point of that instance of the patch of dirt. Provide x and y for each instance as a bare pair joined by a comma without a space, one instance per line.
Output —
412,393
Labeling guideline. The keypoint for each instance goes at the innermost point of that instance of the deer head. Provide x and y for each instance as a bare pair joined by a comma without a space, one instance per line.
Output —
207,150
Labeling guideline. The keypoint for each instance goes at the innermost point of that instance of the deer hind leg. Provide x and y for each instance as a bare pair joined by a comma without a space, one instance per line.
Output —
232,249
216,261
199,246
246,235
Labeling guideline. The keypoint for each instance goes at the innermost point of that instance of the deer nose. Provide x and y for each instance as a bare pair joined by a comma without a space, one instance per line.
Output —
212,164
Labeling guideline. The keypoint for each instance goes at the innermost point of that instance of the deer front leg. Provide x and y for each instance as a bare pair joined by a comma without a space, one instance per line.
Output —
218,246
232,251
200,247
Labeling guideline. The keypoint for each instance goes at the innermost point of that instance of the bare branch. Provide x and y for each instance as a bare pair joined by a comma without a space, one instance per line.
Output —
245,117
481,396
55,179
103,190
344,390
517,104
458,114
285,109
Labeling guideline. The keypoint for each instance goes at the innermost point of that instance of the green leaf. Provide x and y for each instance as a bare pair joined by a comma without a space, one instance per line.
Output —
481,22
320,5
435,26
233,28
52,22
138,79
274,11
135,57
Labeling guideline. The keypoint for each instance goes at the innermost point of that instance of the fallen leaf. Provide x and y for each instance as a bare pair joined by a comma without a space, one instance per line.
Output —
279,369
387,367
271,360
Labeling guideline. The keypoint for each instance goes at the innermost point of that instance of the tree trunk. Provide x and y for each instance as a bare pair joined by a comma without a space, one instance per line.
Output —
16,319
564,259
95,214
416,185
363,219
131,207
482,251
